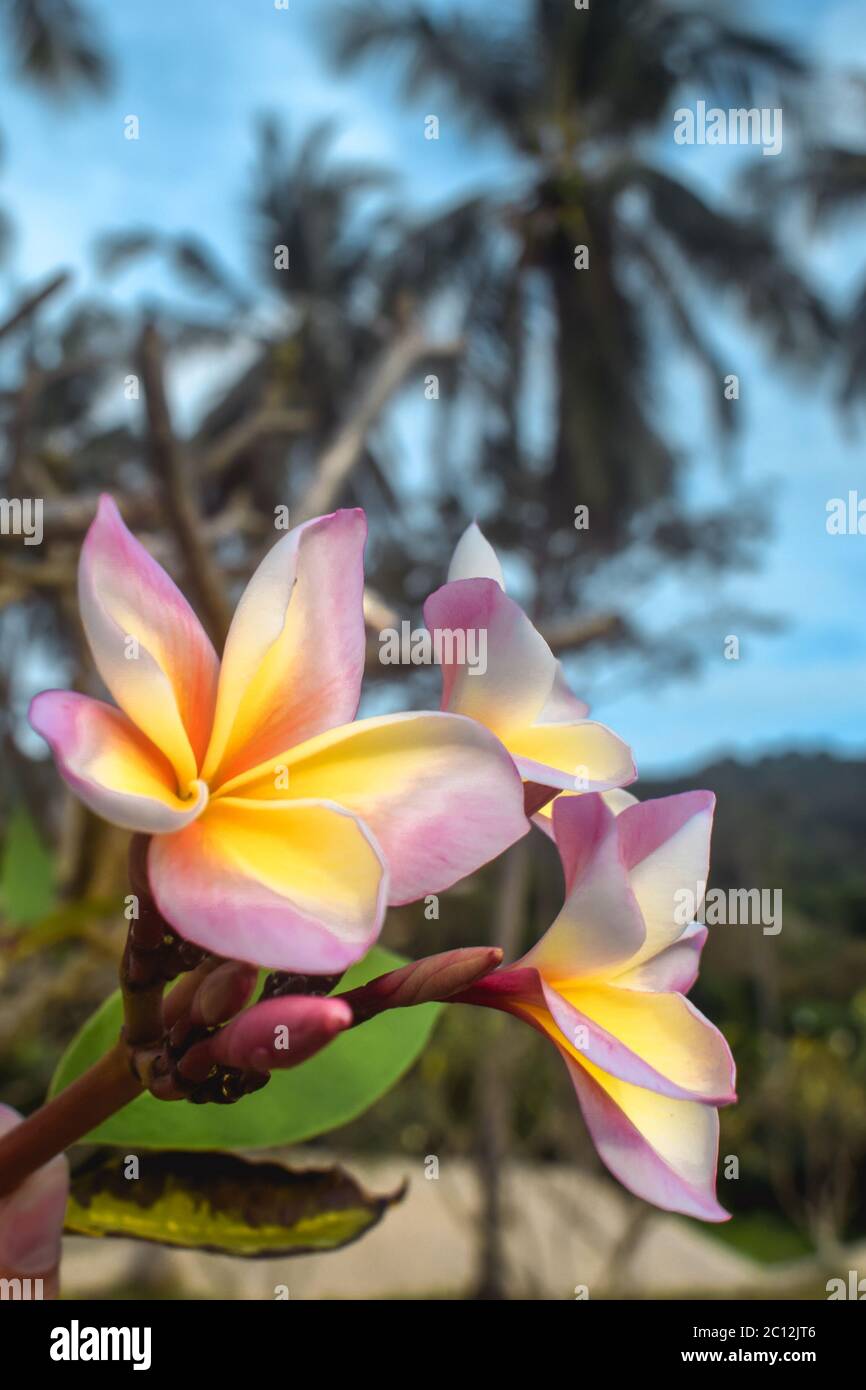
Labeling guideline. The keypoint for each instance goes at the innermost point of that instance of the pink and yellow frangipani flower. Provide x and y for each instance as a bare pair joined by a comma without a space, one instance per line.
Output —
280,828
617,799
522,695
607,984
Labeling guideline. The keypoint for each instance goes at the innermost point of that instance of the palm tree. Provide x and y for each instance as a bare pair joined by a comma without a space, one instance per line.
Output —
54,50
830,181
578,97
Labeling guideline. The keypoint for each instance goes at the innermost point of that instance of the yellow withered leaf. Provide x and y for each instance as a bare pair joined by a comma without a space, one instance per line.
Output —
222,1203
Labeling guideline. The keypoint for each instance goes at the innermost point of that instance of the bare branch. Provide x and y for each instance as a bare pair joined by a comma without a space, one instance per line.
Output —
171,467
28,306
67,518
391,369
250,430
570,636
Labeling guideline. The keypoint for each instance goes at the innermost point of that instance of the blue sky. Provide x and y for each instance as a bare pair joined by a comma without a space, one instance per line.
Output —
197,75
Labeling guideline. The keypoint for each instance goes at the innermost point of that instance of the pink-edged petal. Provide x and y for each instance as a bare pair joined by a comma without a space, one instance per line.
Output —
542,815
294,655
438,791
149,647
475,558
520,667
521,693
673,970
293,885
111,766
583,756
618,800
562,706
658,1041
666,848
663,1150
679,826
31,1219
600,925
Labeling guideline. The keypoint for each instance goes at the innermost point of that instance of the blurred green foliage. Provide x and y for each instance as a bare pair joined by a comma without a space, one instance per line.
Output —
26,872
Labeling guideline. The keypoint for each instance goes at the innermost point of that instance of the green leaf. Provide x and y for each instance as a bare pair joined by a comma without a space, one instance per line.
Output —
340,1082
26,872
219,1202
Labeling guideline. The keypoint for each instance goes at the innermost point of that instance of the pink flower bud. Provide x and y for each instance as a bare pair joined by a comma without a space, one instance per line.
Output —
277,1033
434,978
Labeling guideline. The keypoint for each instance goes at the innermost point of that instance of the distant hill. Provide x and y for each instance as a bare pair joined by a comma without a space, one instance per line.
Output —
797,821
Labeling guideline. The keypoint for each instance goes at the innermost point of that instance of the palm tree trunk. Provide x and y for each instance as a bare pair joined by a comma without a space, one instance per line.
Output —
493,1089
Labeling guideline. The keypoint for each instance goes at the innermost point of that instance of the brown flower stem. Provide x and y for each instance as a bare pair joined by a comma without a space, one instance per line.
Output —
154,954
103,1089
142,1018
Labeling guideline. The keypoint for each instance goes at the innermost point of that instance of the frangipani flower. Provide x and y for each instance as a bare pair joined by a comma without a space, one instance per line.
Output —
607,984
522,695
617,799
31,1220
280,829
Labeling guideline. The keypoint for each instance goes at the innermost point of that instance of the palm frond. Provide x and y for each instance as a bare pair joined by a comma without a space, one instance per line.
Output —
486,65
56,45
740,255
830,178
191,260
668,288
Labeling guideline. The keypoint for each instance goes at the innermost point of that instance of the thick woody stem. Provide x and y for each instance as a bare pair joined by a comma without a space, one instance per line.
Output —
106,1087
142,1005
153,955
154,1037
158,1033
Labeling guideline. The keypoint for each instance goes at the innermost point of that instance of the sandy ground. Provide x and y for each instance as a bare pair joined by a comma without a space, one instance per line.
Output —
565,1233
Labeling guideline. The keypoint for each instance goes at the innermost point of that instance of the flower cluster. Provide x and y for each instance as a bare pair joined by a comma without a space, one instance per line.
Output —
278,828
